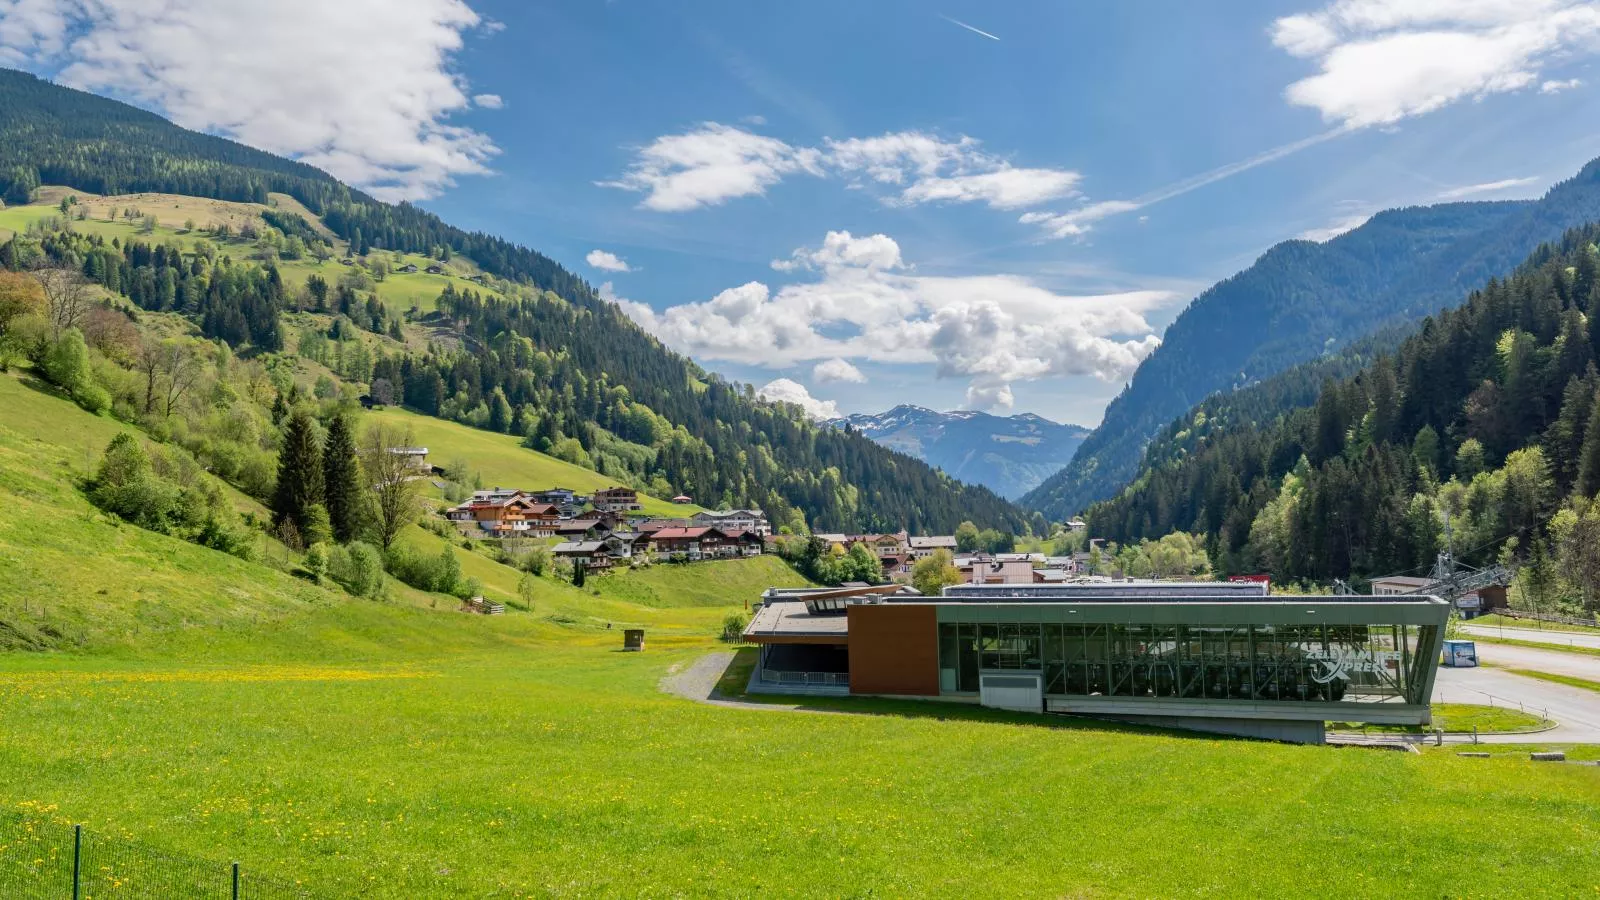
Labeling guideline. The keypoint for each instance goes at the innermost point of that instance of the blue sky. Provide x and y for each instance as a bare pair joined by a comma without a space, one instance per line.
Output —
865,204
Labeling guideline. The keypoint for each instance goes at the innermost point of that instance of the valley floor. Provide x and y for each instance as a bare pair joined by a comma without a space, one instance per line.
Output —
396,752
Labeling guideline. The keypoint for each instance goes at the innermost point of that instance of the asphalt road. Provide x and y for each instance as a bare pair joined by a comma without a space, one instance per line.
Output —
1545,636
1575,710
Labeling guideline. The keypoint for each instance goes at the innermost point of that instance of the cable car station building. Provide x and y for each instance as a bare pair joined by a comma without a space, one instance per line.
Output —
1210,656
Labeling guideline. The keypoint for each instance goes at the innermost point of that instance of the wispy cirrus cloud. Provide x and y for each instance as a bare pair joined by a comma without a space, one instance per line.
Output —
1488,187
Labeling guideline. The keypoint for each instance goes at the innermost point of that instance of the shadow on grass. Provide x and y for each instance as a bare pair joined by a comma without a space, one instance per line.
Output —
736,677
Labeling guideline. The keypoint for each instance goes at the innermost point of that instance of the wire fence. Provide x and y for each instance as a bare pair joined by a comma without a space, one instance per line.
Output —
42,859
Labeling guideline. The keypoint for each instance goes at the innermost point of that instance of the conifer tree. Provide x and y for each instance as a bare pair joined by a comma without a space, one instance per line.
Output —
341,481
299,472
1589,459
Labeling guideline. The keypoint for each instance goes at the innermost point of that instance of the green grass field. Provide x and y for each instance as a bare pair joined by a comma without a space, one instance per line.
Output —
501,460
226,710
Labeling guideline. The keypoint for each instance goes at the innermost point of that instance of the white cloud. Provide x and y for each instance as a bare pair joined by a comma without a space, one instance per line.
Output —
284,76
785,390
865,304
1556,87
606,261
841,249
709,165
837,371
1335,228
1487,187
488,101
715,163
1383,61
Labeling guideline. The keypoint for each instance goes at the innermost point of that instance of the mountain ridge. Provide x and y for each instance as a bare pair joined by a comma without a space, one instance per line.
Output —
1009,454
1301,300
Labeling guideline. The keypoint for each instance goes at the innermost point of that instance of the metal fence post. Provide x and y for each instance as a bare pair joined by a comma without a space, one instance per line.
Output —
235,881
77,861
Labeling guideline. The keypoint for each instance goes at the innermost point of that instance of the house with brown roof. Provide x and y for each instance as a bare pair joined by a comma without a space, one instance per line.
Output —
704,542
493,514
616,499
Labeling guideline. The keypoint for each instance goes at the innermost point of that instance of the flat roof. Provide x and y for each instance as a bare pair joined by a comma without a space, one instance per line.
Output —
1075,592
777,620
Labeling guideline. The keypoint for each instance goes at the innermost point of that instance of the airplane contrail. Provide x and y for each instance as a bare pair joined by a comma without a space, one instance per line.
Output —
969,27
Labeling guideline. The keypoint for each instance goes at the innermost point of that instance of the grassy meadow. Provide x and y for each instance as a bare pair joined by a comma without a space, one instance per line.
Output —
225,709
501,460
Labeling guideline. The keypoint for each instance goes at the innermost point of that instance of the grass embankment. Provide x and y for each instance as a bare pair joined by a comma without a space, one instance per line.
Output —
1567,680
501,460
1498,621
1536,645
1459,718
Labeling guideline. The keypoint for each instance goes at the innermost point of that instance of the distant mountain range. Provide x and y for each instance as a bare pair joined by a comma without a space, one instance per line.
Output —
1303,301
1010,455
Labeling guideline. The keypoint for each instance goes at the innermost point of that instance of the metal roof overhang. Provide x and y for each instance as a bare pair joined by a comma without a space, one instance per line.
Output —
1411,610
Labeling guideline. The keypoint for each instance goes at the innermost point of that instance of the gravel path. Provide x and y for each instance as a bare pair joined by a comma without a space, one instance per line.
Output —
699,683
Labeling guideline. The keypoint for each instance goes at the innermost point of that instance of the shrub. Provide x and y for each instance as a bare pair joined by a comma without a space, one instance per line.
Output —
733,628
439,574
316,561
537,560
358,568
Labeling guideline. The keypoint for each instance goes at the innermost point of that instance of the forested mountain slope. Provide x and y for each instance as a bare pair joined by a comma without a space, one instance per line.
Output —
542,356
1487,414
1301,300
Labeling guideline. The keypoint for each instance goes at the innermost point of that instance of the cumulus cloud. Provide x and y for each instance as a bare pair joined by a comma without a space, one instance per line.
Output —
284,76
488,101
1382,61
837,371
607,261
1488,187
714,163
786,390
1556,87
863,303
709,165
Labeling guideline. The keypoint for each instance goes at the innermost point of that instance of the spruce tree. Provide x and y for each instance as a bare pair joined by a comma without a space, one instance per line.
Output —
299,472
341,481
1589,457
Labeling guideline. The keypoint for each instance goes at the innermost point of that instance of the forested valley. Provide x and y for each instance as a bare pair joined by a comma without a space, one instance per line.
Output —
1481,431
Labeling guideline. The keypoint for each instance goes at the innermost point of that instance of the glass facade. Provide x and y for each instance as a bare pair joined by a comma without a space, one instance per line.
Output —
1302,663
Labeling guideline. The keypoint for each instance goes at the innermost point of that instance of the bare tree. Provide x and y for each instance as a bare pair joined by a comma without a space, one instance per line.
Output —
169,370
395,485
68,297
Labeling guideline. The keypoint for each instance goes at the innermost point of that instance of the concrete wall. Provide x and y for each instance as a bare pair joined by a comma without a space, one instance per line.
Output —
894,649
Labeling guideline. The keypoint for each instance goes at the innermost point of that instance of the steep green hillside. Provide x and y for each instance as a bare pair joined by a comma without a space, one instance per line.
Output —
500,460
72,576
541,347
1301,300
